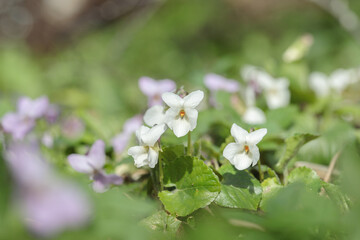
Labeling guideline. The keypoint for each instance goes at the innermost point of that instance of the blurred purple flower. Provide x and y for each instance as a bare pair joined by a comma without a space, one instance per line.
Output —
153,89
52,113
23,121
92,164
72,127
216,82
48,204
120,141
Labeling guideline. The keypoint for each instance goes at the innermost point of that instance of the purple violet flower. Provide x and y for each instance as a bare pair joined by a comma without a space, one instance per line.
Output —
92,164
52,113
48,203
23,121
72,127
120,141
216,82
153,89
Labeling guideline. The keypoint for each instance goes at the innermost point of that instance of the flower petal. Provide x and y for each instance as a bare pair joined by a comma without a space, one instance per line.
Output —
97,155
33,108
166,85
154,115
151,137
193,99
148,86
141,131
180,127
238,133
318,82
153,157
231,150
120,141
136,151
170,115
192,115
172,100
80,163
255,154
132,124
255,137
254,115
242,161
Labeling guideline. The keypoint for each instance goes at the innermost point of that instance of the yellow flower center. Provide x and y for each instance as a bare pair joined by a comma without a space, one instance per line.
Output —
182,113
246,148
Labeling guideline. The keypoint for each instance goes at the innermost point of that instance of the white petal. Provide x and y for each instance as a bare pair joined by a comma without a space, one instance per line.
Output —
254,154
231,150
242,161
193,99
254,115
277,97
255,137
192,115
318,82
141,160
136,151
154,115
170,115
238,133
153,157
172,100
140,132
150,138
180,127
80,163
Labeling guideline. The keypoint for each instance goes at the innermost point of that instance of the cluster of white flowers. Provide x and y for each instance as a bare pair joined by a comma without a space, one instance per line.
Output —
336,82
180,115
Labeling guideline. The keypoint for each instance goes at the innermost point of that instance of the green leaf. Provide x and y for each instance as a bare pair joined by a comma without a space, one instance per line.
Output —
293,144
196,185
335,194
270,187
161,221
307,176
239,189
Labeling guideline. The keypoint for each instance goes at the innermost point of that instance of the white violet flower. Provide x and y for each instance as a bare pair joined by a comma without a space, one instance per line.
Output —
182,116
148,151
244,153
252,114
337,82
277,93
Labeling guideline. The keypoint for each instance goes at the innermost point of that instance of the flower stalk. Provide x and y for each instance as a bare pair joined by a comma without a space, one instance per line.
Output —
189,144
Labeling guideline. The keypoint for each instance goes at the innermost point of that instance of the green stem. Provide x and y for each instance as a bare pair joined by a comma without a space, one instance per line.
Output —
153,179
261,174
189,144
161,173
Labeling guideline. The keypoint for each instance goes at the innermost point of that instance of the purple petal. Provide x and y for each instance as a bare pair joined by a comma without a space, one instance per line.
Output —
26,164
52,113
103,181
213,81
166,85
133,124
97,155
55,208
33,108
148,86
80,163
18,126
120,142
